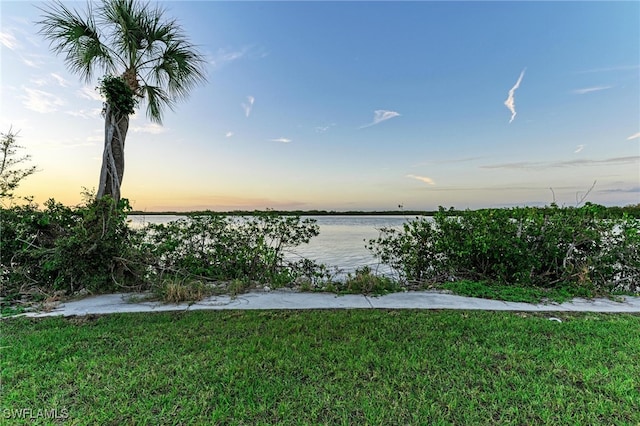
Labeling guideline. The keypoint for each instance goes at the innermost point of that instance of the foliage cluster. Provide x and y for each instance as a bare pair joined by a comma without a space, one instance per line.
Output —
216,247
10,176
93,248
524,246
59,248
118,94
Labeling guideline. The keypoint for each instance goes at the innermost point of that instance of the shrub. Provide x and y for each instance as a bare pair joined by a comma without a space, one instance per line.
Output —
91,247
410,252
67,249
521,246
216,247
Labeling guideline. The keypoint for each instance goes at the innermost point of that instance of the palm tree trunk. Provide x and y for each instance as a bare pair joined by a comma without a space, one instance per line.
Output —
116,126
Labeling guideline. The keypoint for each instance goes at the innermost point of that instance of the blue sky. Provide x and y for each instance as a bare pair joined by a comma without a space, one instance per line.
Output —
355,106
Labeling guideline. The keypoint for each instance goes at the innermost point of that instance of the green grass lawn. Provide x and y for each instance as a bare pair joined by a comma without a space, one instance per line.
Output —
323,367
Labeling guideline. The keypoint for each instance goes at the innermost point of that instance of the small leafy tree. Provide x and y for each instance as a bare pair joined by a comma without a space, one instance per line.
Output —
10,176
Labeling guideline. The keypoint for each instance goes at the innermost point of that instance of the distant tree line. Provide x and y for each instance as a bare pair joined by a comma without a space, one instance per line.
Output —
632,210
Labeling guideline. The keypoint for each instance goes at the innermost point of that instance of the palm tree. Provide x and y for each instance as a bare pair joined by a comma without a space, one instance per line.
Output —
142,57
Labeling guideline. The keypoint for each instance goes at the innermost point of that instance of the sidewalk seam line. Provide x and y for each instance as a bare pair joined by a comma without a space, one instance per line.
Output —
368,301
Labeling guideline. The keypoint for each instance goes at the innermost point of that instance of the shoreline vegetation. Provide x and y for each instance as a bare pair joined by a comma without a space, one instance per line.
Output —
527,254
612,211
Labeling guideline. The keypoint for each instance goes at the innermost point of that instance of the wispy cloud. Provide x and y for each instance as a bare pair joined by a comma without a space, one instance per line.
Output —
578,149
33,61
8,40
511,102
424,179
606,69
61,81
57,145
223,56
29,62
41,101
228,134
281,140
631,190
636,136
539,165
49,80
381,115
152,128
249,105
515,165
38,81
322,129
228,55
449,161
89,93
590,90
97,137
86,113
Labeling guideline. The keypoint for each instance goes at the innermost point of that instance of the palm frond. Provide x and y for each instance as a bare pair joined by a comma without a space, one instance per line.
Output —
136,41
157,35
156,100
180,68
77,38
128,22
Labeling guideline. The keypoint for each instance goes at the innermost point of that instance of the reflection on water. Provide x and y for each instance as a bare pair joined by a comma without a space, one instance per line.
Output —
137,221
341,243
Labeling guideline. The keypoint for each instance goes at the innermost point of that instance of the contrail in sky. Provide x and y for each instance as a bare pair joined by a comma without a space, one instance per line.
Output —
249,105
590,89
510,102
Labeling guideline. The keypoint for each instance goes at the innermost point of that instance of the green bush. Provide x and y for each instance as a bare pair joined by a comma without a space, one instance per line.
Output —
91,247
410,251
67,249
543,247
216,247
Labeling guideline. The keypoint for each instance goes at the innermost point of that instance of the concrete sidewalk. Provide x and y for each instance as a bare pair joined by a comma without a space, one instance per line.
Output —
283,299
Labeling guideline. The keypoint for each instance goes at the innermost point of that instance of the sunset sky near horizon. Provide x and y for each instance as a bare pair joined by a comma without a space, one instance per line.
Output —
353,106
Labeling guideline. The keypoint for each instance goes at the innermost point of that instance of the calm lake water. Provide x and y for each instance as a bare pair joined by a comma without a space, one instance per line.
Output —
341,243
